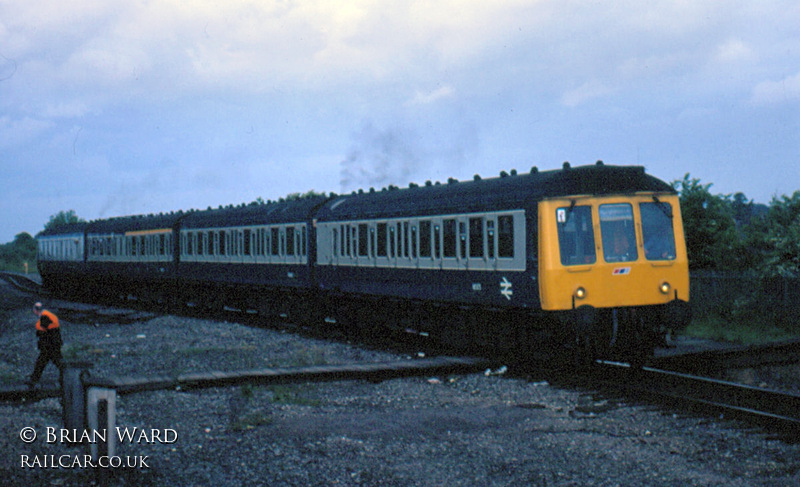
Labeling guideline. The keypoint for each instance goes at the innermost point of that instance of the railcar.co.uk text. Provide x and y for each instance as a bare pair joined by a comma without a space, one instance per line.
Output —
92,436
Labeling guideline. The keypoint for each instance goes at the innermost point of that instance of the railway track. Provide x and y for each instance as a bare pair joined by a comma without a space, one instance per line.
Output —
377,372
776,411
22,282
673,381
711,362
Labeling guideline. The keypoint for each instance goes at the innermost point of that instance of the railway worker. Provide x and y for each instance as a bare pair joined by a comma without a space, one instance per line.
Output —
48,333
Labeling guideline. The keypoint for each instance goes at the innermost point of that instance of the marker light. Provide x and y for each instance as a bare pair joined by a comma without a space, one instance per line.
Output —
664,288
580,293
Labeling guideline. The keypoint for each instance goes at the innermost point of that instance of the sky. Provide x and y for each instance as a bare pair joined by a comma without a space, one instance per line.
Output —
146,106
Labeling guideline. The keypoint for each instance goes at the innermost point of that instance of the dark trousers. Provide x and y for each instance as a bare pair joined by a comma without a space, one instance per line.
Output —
46,354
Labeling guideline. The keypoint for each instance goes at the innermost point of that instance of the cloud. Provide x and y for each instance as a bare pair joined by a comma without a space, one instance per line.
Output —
587,91
782,91
66,109
8,67
19,132
428,97
449,84
734,51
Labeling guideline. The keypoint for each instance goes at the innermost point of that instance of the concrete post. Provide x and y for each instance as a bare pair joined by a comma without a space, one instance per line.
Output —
73,395
101,415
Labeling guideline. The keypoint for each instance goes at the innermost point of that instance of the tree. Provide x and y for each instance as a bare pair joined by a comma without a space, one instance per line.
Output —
14,255
712,240
301,196
777,237
63,218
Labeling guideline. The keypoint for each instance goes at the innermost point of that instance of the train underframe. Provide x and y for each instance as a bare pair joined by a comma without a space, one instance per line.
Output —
581,335
628,334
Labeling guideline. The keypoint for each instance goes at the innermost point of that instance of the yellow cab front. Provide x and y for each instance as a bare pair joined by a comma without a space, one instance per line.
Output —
612,251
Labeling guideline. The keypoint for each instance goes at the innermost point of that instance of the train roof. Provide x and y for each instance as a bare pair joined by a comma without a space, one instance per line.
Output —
495,194
63,229
134,223
287,211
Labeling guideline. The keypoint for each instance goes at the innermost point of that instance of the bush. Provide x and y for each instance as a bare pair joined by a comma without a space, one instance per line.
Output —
14,255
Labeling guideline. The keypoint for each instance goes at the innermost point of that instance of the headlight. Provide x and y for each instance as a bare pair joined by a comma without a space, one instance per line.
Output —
664,288
580,293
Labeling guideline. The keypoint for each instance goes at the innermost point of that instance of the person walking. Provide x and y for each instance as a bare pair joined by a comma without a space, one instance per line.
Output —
48,333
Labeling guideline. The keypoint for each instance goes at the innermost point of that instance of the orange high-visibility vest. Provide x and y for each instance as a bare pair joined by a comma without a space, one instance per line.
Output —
49,316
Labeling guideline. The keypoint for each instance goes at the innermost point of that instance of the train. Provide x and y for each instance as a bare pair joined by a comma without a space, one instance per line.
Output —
588,260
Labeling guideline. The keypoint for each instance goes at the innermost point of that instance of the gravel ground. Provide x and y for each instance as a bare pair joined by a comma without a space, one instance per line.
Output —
460,430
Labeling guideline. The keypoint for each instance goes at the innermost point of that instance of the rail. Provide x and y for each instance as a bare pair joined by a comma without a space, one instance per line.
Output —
735,357
22,282
777,411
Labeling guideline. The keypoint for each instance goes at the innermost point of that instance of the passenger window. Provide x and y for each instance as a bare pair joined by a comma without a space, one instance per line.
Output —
209,241
222,243
490,238
618,233
290,241
413,242
462,239
382,240
276,241
247,249
425,238
476,237
505,236
404,240
657,231
437,242
335,242
362,240
392,242
576,235
450,238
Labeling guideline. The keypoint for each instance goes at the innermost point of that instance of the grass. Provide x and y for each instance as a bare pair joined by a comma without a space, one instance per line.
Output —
251,420
307,357
292,394
751,332
77,351
246,414
9,376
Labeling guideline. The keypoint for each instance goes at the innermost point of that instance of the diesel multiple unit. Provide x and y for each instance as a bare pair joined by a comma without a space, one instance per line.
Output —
592,258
